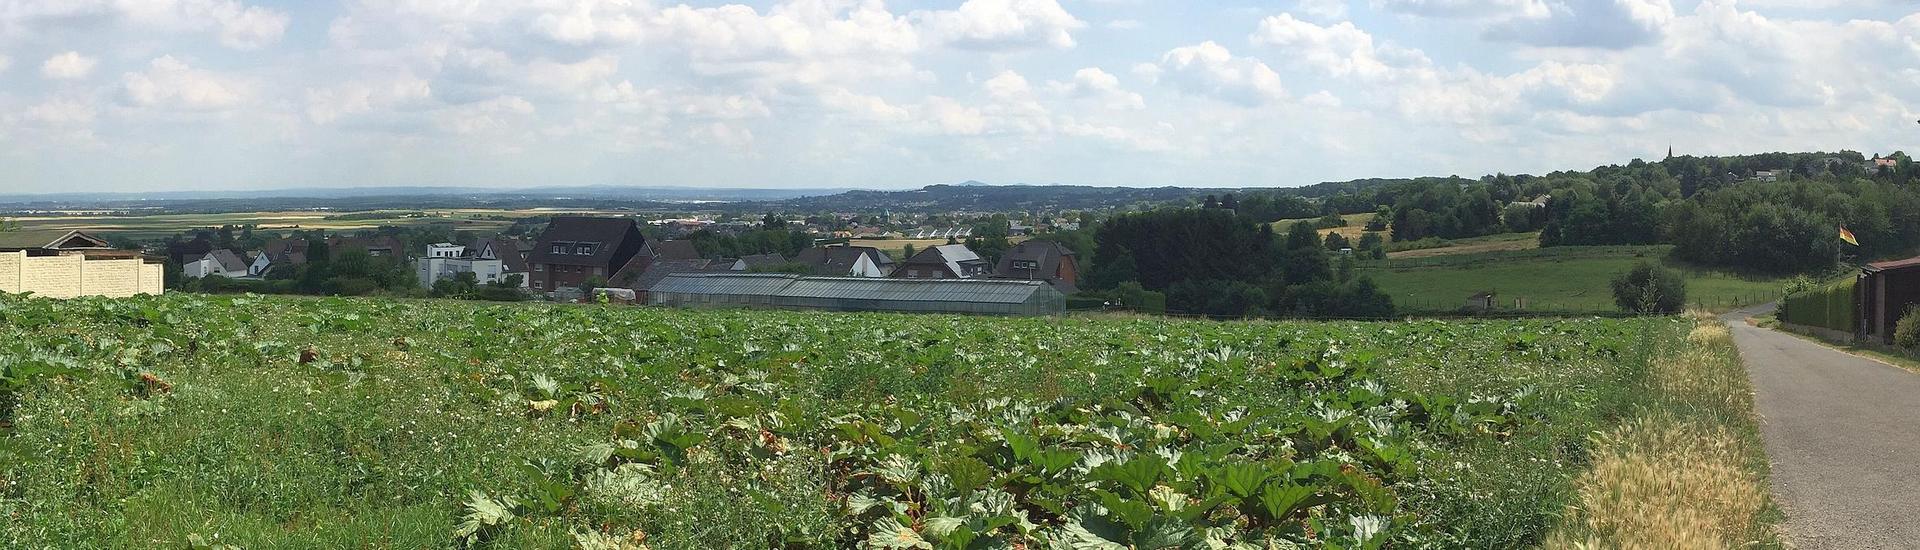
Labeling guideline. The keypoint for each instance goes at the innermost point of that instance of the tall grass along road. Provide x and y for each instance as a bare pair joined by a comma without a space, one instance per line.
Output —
1843,432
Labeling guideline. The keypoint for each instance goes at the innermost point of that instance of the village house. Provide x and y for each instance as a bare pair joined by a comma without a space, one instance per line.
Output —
1040,261
220,262
947,261
574,250
448,260
68,264
846,261
383,246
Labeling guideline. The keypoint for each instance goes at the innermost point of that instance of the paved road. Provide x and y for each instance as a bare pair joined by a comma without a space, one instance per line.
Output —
1843,434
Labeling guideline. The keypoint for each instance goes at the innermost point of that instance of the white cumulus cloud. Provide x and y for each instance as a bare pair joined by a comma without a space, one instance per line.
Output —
170,83
68,66
1003,24
1209,69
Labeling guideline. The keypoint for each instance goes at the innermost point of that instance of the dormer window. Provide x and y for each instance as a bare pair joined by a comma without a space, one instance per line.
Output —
584,249
561,248
1026,264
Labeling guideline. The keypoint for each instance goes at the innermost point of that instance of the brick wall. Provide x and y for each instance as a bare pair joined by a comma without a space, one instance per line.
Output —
71,276
10,271
153,279
52,276
115,278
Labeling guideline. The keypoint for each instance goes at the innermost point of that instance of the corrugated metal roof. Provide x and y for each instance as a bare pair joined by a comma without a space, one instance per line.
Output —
854,288
1892,265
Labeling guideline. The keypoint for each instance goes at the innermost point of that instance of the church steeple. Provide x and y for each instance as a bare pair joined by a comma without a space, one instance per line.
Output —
1669,151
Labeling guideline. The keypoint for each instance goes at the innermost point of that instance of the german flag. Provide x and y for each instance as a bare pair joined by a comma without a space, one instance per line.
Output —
1848,236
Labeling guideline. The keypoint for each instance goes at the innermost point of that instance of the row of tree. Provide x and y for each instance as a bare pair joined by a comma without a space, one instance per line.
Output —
1217,262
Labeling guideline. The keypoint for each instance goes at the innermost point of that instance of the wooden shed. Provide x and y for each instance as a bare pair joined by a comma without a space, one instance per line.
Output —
1883,293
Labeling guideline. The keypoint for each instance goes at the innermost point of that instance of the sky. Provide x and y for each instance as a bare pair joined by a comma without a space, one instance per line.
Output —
136,95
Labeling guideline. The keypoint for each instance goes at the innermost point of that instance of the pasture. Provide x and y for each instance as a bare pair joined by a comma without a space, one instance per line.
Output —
1568,279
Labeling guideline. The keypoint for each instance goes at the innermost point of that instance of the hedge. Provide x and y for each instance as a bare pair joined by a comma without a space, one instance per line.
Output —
1829,307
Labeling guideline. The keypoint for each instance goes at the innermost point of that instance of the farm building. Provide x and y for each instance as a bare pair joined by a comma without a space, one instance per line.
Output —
1882,293
783,291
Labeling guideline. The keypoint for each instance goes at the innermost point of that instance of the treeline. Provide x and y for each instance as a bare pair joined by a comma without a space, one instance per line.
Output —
1772,213
1213,261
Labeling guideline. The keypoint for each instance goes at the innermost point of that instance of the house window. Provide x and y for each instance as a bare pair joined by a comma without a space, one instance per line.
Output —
539,267
560,248
913,273
538,285
598,271
1026,264
583,249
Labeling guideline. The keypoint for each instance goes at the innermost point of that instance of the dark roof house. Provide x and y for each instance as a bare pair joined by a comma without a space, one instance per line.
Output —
573,250
1040,261
382,246
947,261
230,262
675,250
763,261
842,261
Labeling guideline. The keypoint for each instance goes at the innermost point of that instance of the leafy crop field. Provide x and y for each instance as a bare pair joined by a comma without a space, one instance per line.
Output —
328,423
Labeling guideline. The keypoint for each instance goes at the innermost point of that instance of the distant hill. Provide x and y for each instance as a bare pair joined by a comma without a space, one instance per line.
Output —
660,194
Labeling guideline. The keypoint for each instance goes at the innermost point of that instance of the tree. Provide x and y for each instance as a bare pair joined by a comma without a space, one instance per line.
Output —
1372,245
1336,241
771,222
1649,288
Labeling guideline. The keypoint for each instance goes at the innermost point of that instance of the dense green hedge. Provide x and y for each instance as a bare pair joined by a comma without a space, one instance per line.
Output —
1826,307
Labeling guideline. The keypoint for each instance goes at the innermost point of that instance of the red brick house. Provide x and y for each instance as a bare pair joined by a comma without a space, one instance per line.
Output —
573,250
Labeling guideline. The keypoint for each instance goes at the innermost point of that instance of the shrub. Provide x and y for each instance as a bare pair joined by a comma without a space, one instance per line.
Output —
1330,221
1829,306
1648,288
1906,333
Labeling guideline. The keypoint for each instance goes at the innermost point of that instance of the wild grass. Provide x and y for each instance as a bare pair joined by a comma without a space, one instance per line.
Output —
1688,471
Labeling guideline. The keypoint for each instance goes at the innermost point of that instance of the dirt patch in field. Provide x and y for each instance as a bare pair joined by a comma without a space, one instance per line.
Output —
1467,248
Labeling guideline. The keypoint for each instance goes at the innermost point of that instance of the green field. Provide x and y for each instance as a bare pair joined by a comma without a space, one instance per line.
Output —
1555,279
330,423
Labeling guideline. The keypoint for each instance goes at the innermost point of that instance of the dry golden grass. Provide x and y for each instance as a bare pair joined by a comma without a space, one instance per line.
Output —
1667,482
1660,483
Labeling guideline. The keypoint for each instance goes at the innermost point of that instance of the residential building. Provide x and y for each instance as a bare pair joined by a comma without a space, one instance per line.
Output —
573,250
784,291
286,253
258,263
448,260
675,250
947,261
384,246
846,261
761,261
1768,175
220,262
68,264
1041,261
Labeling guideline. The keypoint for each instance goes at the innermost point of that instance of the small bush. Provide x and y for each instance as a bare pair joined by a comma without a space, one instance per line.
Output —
1648,288
1906,333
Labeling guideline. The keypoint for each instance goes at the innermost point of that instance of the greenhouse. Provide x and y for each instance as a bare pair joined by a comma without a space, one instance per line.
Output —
783,291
